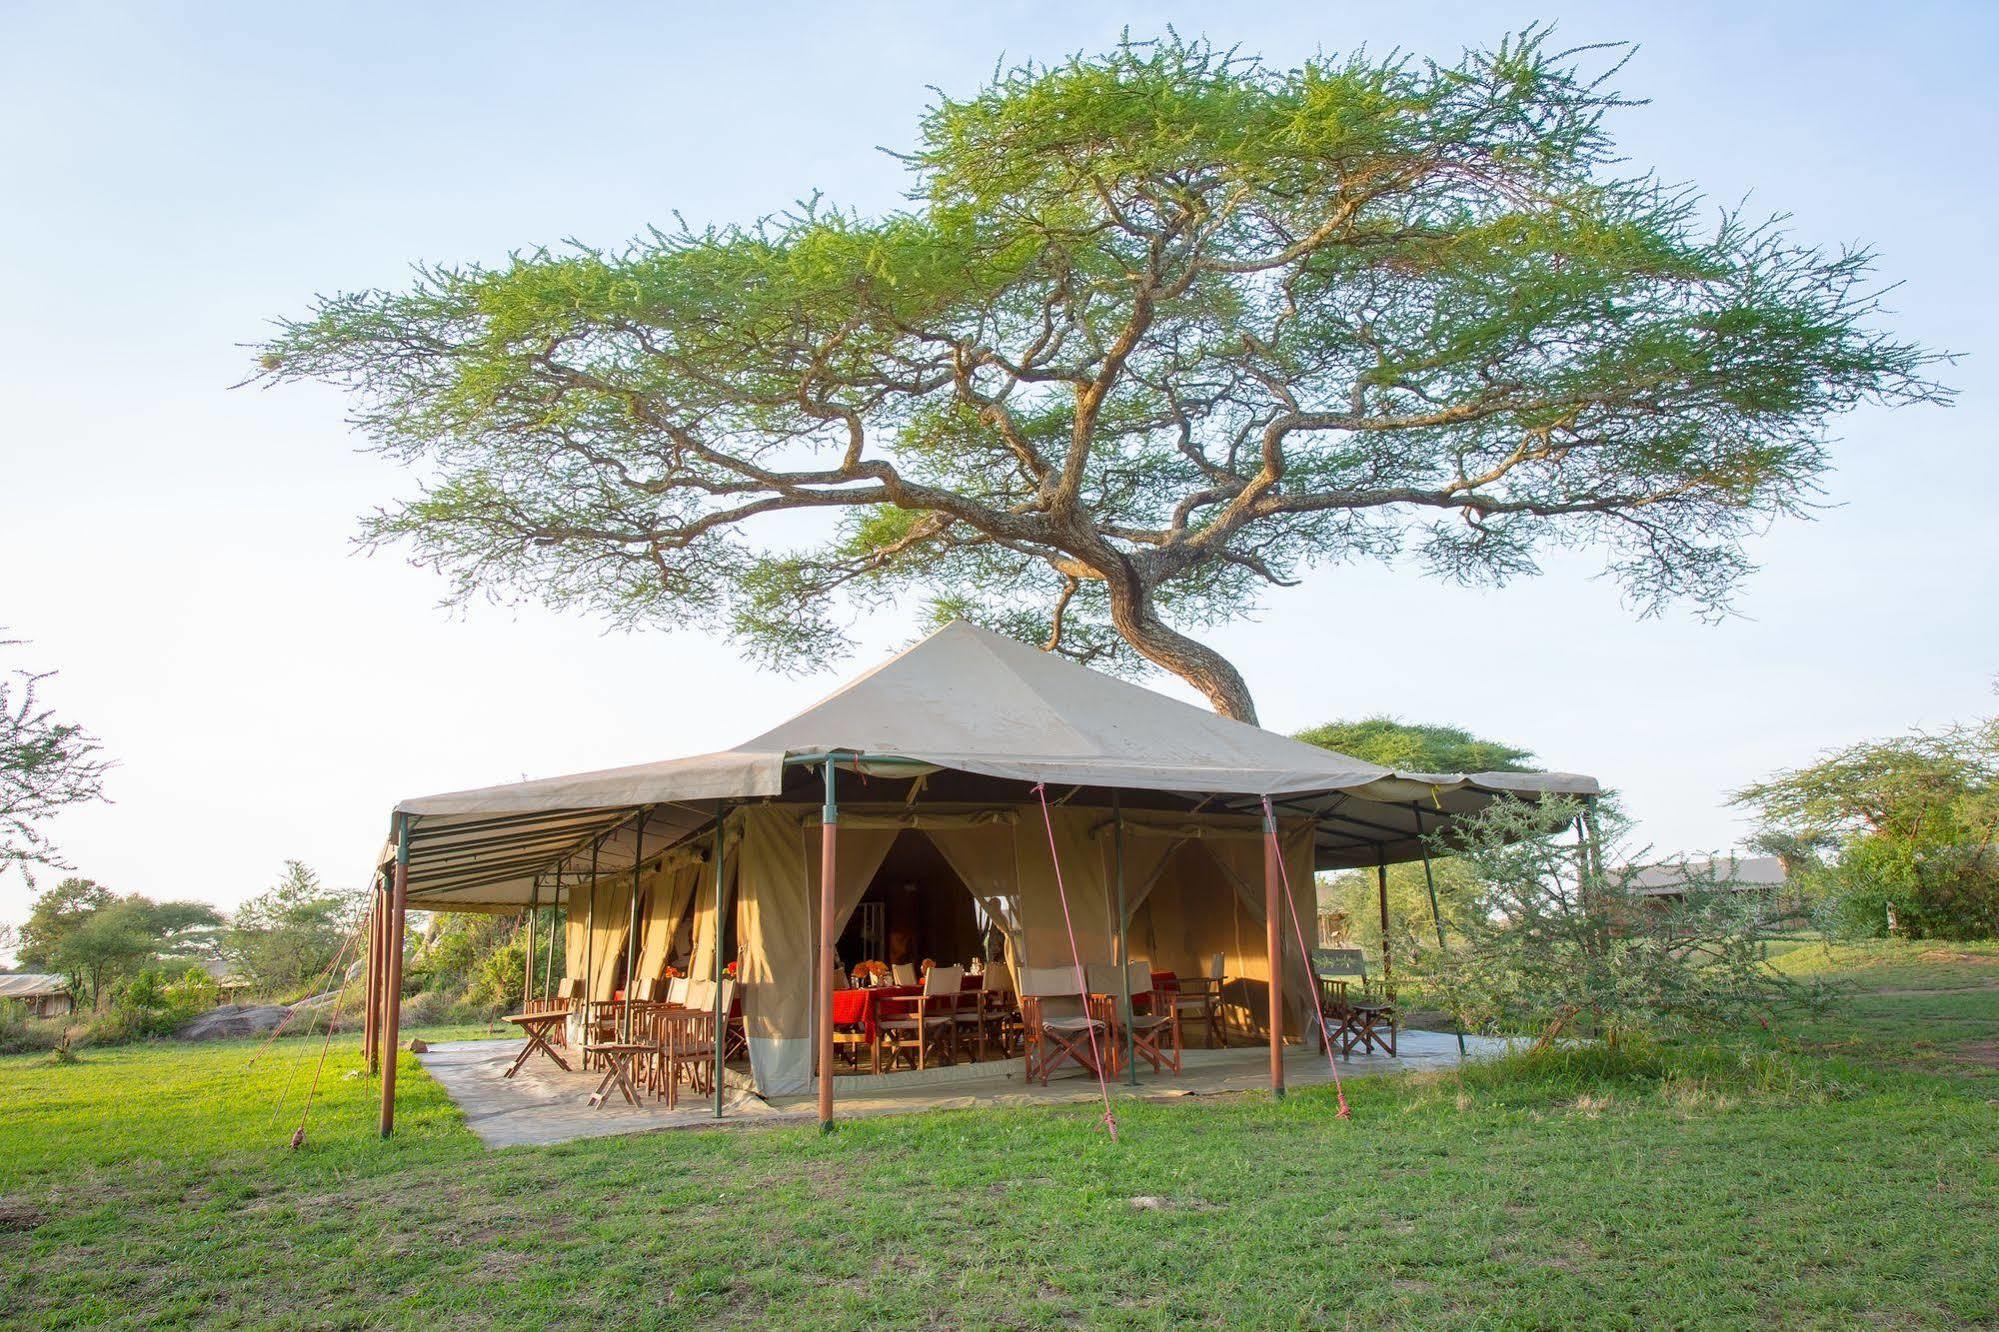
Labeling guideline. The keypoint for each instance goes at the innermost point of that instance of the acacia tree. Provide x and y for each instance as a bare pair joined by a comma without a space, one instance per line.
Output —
1913,821
1160,328
46,765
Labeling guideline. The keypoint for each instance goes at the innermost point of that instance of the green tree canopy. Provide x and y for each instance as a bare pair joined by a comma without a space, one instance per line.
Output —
46,765
1408,747
1913,821
1416,746
1160,328
53,914
119,937
283,938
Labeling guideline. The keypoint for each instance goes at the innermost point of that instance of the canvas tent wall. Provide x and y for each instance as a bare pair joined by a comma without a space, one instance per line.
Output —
950,737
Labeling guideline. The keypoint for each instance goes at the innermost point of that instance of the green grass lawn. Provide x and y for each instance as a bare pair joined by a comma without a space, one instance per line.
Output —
152,1186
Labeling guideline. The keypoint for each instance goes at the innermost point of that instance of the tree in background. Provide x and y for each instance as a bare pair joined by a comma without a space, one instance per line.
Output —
53,914
1559,944
282,939
98,939
1162,328
470,960
46,766
1351,896
1912,825
1414,747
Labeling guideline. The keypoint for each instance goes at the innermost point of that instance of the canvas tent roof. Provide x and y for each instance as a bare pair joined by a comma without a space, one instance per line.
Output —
964,701
31,986
1738,873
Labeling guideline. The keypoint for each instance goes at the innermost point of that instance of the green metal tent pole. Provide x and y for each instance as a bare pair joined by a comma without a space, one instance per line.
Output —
1436,915
527,963
1381,896
1123,938
555,908
589,947
632,927
1273,945
721,1010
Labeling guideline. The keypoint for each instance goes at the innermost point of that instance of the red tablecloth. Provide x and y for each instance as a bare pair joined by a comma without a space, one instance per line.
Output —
863,1008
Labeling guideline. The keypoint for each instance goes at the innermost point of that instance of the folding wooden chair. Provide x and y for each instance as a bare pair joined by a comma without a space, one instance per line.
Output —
1201,998
933,1022
1153,1020
1057,1022
687,1041
1365,1017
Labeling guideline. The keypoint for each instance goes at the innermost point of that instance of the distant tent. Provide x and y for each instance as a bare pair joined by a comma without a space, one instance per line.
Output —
43,996
943,745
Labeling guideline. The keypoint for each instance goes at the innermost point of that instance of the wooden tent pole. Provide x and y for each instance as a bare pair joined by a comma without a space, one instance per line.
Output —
392,973
1123,937
829,844
1273,907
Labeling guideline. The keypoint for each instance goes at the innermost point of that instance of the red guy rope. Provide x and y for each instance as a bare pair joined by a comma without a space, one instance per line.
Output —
1318,1005
1076,956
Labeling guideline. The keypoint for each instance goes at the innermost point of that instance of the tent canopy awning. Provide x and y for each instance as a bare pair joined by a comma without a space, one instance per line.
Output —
962,702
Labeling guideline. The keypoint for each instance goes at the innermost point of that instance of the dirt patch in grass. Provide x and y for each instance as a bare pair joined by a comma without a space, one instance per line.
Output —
1981,1054
1934,990
17,1218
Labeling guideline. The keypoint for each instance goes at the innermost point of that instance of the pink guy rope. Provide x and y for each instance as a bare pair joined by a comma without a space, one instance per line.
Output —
1325,1037
1076,956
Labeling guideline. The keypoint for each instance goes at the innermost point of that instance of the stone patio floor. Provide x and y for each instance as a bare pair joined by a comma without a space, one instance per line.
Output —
543,1105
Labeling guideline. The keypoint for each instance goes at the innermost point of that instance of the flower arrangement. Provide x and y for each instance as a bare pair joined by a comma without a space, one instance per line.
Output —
673,973
870,973
729,972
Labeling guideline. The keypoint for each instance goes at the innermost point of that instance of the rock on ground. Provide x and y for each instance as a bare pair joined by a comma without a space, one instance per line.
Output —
233,1020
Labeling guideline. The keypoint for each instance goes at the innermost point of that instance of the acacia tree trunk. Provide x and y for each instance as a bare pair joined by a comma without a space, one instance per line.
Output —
1166,647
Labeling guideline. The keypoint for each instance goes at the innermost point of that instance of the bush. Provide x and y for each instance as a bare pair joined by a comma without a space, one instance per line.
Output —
151,1005
1560,945
496,980
435,1008
23,1033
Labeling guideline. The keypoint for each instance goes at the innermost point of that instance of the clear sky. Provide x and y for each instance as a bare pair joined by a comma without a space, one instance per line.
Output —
171,176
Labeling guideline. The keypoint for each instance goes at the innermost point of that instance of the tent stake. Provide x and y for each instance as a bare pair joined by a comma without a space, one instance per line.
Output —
1123,938
392,982
829,830
1436,914
1274,951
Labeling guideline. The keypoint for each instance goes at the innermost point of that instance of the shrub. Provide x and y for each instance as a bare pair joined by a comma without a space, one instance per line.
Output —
1561,945
23,1033
151,1005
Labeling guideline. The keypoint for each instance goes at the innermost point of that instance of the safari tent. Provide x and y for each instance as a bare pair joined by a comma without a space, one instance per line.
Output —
1026,805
